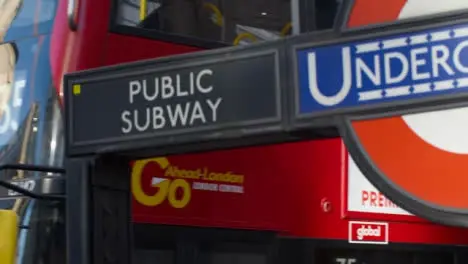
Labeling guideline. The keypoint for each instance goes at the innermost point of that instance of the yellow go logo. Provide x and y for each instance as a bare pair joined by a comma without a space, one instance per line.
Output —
167,188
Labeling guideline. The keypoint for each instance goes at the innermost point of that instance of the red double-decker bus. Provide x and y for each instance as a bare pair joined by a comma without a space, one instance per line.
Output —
291,203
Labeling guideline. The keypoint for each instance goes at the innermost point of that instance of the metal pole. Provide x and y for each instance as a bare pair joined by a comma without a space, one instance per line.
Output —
77,210
111,211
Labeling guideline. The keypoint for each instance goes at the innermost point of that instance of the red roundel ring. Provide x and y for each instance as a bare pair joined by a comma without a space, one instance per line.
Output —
420,177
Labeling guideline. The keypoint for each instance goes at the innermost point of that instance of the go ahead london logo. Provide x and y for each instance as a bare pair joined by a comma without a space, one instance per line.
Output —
403,66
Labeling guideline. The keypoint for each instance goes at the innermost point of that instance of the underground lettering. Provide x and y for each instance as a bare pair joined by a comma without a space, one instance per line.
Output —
390,68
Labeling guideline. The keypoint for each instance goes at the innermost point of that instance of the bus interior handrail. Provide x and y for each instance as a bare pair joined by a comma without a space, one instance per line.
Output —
29,167
36,168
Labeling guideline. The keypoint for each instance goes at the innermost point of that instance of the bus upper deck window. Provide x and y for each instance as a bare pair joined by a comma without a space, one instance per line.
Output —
227,21
326,12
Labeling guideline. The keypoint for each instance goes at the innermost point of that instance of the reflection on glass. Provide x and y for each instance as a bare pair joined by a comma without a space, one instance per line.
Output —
30,125
233,22
42,238
8,9
25,18
7,66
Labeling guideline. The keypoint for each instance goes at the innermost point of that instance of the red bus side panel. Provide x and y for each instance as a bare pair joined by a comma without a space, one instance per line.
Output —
297,189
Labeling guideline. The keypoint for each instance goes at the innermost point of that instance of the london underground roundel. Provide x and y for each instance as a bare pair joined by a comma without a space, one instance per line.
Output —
420,159
399,94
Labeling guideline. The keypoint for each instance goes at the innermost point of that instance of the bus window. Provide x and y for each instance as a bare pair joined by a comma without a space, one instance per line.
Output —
382,256
233,253
327,10
42,221
386,256
165,244
38,220
22,18
160,256
231,22
434,258
225,21
153,244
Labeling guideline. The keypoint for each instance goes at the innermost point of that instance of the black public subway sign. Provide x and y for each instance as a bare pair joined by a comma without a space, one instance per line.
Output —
170,103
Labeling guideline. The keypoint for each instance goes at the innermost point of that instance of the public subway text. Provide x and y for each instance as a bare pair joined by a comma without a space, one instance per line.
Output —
171,101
